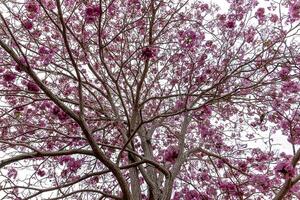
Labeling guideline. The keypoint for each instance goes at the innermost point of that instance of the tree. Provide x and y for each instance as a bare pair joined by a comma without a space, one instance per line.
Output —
145,99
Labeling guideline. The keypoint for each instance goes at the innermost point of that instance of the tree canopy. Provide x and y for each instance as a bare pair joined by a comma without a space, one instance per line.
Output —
149,99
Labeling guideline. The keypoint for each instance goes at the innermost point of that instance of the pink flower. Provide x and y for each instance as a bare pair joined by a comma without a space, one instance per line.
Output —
9,77
32,6
55,110
222,17
32,87
41,173
294,10
92,13
209,43
148,52
250,35
201,79
19,67
294,138
28,24
171,154
206,111
204,176
62,116
261,182
12,173
290,87
188,39
36,33
45,105
243,166
228,187
112,9
204,131
284,169
74,165
204,7
64,159
274,18
260,13
177,196
230,24
134,4
283,73
180,104
43,50
93,10
192,195
50,4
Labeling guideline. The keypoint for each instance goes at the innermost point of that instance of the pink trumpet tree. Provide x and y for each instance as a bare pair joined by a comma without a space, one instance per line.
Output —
149,99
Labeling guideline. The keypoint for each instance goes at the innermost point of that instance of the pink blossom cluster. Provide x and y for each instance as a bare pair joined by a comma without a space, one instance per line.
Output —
284,169
229,21
46,54
134,4
19,67
260,15
148,53
261,182
33,9
274,18
204,7
204,131
56,111
41,172
190,194
12,173
202,59
189,39
201,79
229,187
179,104
27,24
32,87
112,9
230,24
72,164
45,104
204,112
294,10
92,12
32,6
9,76
283,73
171,154
294,135
243,166
249,35
290,87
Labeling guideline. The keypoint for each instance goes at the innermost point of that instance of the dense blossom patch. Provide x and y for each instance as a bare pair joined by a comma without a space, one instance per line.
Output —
9,77
189,38
149,53
92,12
294,10
32,6
284,169
171,154
32,87
28,24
